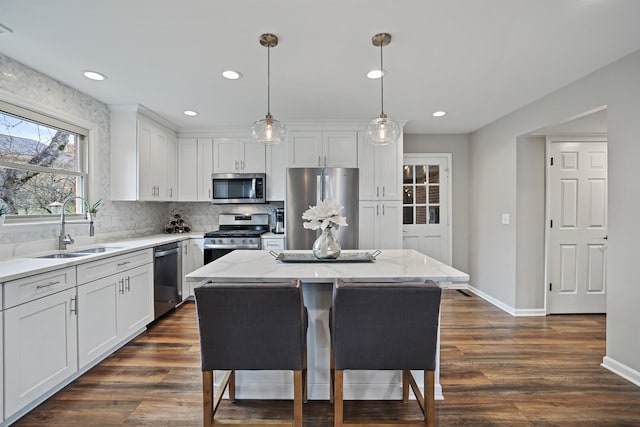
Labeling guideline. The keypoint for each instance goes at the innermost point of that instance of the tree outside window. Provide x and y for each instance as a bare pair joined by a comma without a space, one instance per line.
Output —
40,166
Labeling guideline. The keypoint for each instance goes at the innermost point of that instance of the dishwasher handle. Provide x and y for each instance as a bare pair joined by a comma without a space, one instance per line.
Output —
159,254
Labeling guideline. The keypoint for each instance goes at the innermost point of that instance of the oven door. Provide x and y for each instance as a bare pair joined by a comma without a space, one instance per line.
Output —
238,188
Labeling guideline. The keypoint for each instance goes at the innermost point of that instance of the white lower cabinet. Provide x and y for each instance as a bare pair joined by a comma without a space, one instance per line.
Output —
112,309
40,347
192,259
380,225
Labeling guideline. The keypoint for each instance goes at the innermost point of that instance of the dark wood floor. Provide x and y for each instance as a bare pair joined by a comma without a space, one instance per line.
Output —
496,370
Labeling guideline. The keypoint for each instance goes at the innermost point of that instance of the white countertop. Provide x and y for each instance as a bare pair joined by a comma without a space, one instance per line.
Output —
15,268
393,265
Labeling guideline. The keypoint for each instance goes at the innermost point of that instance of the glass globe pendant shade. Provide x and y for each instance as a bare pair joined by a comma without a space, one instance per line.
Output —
383,131
268,131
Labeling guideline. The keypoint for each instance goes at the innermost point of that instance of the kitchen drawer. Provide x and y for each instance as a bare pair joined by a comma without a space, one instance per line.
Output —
107,266
272,243
27,289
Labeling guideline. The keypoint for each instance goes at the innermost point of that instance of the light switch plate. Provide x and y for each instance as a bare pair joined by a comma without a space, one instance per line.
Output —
505,219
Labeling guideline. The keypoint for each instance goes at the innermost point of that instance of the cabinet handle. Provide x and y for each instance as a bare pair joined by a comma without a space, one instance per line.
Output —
120,264
242,164
171,192
236,165
377,209
121,286
74,305
209,193
383,191
48,284
325,160
377,191
319,161
128,281
382,209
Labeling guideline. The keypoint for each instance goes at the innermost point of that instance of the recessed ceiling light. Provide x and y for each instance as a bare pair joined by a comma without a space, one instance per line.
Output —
376,74
439,113
190,113
94,75
231,75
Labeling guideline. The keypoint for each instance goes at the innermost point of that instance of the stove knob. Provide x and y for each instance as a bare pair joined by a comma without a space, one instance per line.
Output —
244,240
220,241
232,241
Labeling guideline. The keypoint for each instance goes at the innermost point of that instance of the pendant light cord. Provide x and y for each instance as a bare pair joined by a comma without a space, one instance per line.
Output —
381,82
268,80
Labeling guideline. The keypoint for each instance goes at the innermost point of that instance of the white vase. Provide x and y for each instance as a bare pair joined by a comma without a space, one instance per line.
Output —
326,246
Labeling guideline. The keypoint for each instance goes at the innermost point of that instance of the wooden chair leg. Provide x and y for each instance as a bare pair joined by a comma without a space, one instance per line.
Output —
297,398
429,397
232,386
405,386
338,409
207,397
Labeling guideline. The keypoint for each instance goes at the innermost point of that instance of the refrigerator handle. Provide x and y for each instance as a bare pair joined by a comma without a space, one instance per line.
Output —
326,188
318,189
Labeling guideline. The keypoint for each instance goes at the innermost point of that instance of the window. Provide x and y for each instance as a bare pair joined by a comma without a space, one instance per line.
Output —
421,194
42,163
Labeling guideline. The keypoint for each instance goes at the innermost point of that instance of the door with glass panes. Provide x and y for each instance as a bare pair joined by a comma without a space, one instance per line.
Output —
425,205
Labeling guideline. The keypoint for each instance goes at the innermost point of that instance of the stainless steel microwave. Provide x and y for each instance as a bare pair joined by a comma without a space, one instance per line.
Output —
238,188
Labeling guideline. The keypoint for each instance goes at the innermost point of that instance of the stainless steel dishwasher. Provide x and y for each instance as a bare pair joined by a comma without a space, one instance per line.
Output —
167,277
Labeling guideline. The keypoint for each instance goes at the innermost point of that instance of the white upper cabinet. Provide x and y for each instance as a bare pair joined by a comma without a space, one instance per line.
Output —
195,165
143,157
323,148
238,155
380,170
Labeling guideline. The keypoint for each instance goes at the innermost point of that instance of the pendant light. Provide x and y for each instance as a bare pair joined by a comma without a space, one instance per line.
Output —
268,131
382,130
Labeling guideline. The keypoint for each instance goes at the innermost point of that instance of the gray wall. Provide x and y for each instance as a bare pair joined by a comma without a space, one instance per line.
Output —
494,163
530,206
458,146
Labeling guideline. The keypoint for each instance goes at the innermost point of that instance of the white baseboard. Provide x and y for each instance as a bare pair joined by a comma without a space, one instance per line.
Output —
621,369
516,312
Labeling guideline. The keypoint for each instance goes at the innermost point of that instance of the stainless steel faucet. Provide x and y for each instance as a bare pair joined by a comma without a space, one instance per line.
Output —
65,239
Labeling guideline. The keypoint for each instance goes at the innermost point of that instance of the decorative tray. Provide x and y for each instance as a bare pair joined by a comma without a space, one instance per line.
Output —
309,257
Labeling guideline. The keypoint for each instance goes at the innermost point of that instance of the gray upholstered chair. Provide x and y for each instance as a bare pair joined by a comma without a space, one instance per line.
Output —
251,326
385,326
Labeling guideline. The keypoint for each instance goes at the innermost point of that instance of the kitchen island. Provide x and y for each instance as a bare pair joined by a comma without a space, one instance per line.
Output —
397,265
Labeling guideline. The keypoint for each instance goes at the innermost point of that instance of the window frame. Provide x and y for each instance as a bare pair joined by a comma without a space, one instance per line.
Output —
45,116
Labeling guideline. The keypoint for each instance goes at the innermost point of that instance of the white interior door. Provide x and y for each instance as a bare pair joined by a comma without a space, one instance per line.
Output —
426,205
577,227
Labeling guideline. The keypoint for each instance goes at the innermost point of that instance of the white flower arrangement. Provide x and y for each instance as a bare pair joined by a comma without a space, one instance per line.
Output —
324,214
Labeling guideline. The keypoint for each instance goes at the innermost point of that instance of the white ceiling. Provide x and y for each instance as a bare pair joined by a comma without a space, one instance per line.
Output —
476,59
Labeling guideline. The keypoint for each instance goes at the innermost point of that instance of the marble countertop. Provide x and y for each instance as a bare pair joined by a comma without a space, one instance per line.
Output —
15,268
393,265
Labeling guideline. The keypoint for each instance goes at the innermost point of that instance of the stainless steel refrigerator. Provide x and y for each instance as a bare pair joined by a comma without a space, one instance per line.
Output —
308,187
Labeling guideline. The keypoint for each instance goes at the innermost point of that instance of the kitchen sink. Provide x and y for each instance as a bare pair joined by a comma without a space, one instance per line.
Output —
62,255
97,250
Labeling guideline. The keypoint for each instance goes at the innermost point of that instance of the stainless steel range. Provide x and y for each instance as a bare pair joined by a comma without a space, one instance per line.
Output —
237,231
